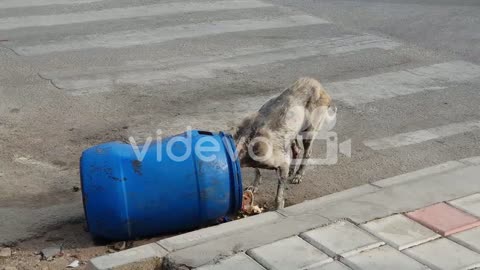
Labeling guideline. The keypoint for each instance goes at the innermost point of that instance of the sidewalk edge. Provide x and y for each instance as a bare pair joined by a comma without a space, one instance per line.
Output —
151,256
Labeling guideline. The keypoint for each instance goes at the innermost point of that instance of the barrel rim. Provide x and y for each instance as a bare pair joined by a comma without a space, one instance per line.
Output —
236,171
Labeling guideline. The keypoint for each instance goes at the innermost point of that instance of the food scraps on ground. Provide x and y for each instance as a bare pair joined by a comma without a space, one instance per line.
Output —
74,264
51,252
249,207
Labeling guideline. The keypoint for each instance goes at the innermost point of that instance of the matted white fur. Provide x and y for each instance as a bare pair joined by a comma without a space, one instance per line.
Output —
269,138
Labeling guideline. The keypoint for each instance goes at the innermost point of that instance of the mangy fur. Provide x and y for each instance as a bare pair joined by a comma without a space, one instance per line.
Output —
272,132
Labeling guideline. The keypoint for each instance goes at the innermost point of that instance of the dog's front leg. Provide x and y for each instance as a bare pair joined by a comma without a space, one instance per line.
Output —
282,181
257,181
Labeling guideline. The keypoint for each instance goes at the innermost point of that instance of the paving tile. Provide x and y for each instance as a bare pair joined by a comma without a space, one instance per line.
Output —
444,254
289,254
469,239
238,262
336,265
382,258
341,238
469,204
444,219
399,231
208,252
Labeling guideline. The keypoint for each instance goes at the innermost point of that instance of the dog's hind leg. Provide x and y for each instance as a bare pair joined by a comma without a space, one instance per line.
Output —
282,181
307,153
311,134
257,181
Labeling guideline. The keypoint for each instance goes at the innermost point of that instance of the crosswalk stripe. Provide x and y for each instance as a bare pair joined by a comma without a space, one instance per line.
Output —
420,136
404,82
244,57
37,3
127,12
158,35
326,46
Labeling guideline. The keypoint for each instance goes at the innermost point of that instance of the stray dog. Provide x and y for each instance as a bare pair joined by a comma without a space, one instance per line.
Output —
269,139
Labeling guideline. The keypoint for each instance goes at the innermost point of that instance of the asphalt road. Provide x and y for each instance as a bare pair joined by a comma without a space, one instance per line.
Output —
405,76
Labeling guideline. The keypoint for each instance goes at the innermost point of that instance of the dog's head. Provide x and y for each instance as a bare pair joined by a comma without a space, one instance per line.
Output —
324,117
241,147
330,117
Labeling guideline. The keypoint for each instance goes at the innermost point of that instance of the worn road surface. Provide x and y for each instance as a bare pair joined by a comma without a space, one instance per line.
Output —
74,73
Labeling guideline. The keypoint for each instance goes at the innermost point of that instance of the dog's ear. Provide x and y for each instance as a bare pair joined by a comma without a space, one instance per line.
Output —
241,147
232,128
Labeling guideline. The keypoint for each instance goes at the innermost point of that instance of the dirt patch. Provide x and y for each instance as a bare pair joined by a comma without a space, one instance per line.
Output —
76,244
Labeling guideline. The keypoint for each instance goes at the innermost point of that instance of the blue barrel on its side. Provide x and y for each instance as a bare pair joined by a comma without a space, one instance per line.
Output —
169,190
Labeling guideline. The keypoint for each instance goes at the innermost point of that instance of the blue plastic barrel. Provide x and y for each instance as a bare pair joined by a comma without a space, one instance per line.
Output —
169,190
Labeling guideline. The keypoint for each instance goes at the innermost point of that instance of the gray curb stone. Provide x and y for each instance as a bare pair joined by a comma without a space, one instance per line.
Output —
314,204
471,161
403,178
150,255
204,235
240,261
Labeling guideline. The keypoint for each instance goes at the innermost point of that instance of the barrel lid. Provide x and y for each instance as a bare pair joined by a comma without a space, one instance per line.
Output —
236,170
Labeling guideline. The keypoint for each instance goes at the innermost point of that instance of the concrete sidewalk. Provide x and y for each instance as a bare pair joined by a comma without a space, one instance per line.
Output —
428,219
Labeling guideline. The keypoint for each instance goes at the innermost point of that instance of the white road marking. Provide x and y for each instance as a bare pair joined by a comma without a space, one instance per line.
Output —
36,3
206,67
420,136
33,162
404,82
326,46
136,37
127,12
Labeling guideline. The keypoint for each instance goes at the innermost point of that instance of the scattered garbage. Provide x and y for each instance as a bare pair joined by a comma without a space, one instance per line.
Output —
249,207
5,252
74,255
75,189
119,246
74,264
224,219
50,253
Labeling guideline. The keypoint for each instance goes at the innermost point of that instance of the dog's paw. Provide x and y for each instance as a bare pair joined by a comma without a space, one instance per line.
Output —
297,179
280,204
